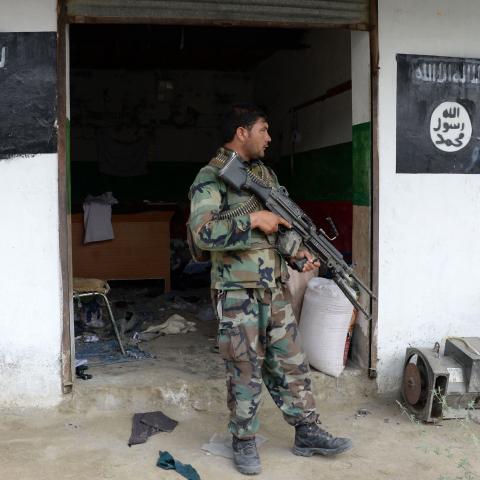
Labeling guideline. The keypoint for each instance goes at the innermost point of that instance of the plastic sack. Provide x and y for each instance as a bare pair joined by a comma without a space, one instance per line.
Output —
296,285
325,319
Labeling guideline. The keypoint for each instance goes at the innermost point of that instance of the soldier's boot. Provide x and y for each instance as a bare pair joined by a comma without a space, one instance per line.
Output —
245,456
310,440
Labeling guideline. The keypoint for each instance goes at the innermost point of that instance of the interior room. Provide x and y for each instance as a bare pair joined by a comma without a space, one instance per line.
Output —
145,105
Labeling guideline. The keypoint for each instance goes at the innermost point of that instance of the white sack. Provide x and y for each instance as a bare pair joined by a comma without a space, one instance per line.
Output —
326,316
296,285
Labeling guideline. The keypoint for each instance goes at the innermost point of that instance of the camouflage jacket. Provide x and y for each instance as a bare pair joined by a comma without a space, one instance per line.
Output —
242,257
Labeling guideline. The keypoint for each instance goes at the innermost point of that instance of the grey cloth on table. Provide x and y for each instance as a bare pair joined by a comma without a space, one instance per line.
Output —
147,424
97,218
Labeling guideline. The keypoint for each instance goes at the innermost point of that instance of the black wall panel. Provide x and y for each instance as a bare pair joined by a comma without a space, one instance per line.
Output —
28,96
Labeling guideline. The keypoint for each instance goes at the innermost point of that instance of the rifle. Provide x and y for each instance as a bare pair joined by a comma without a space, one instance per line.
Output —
276,199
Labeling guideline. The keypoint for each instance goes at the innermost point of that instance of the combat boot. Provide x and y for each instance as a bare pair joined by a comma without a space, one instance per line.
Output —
245,456
310,439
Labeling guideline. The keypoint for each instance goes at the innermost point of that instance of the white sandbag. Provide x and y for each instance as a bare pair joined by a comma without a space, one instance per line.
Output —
326,316
296,285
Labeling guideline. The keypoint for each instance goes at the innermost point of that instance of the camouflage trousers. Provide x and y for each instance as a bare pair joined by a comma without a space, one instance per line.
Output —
258,339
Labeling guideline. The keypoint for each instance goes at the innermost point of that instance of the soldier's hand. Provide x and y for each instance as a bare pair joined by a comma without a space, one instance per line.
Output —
310,264
267,222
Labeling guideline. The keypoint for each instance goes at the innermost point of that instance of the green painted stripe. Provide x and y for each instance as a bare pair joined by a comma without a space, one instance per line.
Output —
323,174
320,174
361,156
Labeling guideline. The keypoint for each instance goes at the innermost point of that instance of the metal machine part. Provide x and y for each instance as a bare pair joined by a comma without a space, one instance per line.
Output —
436,386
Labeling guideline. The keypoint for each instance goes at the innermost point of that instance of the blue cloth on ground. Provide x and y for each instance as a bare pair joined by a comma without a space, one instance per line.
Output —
105,352
167,462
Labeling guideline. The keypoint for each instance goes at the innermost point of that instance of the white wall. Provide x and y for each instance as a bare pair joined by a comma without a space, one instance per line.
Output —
28,16
428,228
30,281
292,77
361,103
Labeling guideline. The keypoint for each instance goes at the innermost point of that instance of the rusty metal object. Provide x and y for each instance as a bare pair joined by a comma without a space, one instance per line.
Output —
412,384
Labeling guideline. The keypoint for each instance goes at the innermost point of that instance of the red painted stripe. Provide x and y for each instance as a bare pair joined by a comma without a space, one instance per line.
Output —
341,214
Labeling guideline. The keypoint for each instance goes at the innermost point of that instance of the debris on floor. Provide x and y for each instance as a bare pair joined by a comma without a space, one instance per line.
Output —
167,462
88,337
144,425
80,372
144,314
221,444
91,313
362,412
106,352
174,325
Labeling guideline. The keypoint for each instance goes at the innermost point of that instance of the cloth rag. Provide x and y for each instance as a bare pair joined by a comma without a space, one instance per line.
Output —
145,425
97,217
174,325
167,462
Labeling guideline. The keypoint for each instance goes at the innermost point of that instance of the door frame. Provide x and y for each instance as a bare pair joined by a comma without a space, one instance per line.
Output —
63,22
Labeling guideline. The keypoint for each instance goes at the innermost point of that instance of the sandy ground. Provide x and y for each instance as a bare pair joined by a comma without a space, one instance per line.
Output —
93,445
86,438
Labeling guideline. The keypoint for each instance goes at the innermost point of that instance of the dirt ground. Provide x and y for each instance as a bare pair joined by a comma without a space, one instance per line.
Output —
87,438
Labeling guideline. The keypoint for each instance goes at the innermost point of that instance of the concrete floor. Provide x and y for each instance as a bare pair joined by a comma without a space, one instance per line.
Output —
87,437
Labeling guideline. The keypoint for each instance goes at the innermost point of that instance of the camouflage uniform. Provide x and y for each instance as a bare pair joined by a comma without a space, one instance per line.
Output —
258,334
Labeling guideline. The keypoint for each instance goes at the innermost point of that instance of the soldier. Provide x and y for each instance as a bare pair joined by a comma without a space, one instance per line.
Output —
258,335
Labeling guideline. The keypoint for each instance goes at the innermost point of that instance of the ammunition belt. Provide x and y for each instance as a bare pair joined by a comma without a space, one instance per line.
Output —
252,204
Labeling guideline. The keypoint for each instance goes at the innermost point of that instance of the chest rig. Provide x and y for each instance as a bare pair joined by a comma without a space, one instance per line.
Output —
235,204
238,203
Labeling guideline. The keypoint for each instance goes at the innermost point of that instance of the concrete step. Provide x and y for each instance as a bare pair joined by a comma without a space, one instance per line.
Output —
148,385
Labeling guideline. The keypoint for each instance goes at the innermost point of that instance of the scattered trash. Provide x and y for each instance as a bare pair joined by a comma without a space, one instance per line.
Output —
386,420
90,338
80,372
138,319
174,325
167,462
362,412
145,425
106,352
91,314
221,444
129,322
72,426
137,354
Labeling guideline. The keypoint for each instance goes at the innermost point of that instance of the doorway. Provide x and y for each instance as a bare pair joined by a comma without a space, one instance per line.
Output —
158,91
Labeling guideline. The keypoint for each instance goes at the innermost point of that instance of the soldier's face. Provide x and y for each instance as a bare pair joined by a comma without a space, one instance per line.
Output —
257,139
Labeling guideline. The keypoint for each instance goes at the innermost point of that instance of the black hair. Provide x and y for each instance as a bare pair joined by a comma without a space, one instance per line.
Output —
239,115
